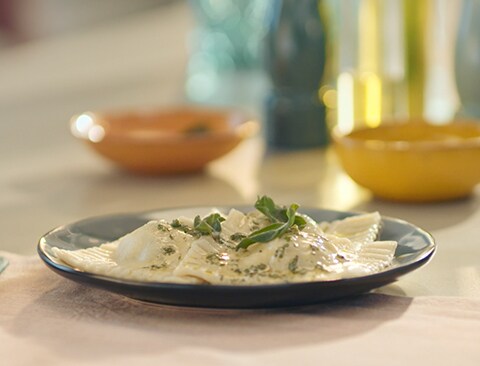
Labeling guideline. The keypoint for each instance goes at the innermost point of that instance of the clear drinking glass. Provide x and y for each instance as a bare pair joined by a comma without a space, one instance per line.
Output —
390,60
467,59
224,65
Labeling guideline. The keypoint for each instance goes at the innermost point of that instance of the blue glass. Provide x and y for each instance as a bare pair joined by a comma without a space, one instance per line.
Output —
224,65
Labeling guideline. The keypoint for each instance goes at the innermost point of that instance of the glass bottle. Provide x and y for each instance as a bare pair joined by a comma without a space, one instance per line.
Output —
467,59
295,61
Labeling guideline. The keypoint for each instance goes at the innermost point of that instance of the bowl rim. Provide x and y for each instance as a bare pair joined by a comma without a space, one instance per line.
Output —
376,143
243,126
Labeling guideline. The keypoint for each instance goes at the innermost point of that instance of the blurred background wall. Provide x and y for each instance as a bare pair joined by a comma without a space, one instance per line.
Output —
26,20
353,22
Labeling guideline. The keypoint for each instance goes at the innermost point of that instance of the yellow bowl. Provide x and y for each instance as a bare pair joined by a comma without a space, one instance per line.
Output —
414,161
178,140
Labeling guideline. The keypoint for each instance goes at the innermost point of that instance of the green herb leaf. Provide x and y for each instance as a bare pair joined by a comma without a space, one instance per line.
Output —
162,227
300,221
274,212
208,225
176,224
264,235
271,231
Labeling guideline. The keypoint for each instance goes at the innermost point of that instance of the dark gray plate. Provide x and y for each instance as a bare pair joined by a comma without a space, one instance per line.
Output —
415,248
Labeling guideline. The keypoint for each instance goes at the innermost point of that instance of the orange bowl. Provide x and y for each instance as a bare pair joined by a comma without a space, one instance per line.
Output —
178,140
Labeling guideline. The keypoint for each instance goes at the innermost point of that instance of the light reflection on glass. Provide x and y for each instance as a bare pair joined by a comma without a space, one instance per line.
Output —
202,86
373,98
368,57
81,124
329,98
226,41
84,126
96,133
345,103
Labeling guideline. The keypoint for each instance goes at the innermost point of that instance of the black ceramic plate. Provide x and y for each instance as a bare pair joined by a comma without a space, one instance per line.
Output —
415,248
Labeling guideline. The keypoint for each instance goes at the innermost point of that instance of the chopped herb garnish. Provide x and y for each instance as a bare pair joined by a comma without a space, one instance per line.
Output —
156,266
255,269
176,224
280,252
162,227
169,250
237,236
220,259
293,265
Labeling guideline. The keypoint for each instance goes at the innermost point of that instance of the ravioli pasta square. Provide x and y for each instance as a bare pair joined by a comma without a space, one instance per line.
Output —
268,245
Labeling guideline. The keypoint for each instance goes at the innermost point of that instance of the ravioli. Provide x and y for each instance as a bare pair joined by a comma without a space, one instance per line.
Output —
269,245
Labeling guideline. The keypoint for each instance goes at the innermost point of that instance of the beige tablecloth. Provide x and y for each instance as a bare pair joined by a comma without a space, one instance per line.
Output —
48,320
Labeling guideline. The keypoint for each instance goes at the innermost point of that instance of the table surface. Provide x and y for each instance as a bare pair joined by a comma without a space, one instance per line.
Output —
48,179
